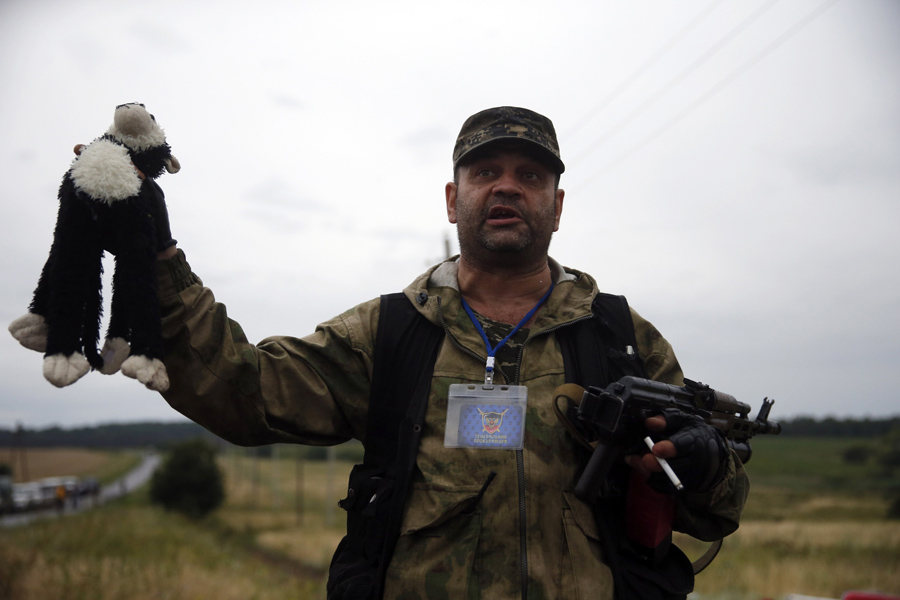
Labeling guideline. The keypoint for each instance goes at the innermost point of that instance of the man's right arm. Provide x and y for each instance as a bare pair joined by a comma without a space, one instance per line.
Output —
312,390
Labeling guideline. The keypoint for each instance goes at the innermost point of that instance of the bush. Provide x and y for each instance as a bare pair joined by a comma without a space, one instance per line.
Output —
189,480
889,451
894,509
889,458
857,455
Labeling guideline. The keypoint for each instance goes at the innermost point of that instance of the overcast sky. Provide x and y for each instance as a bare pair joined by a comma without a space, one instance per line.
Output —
733,168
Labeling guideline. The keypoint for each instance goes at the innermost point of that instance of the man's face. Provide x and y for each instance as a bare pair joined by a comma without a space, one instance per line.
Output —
506,207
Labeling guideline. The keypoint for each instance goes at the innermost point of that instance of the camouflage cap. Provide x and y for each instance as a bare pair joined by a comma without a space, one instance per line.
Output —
508,122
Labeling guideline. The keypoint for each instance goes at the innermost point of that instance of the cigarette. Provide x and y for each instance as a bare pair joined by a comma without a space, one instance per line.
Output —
665,465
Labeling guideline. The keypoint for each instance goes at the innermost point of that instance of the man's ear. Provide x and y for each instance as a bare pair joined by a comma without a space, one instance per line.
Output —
560,196
450,193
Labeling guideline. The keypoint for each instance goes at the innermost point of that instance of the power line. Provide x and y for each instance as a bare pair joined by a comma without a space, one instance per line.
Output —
626,83
665,89
714,90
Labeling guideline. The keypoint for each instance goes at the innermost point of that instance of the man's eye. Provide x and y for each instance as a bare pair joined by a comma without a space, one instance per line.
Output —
484,172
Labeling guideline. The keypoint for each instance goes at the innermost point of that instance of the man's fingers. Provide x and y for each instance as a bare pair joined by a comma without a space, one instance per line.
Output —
640,464
664,449
645,464
656,423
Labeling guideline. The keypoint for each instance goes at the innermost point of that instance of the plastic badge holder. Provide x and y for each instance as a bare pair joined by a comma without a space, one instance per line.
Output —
486,418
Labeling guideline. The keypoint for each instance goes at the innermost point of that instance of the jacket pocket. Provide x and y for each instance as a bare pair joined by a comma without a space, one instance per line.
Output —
584,573
435,555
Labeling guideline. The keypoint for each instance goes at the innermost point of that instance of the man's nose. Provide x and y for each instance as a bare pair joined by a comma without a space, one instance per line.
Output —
507,184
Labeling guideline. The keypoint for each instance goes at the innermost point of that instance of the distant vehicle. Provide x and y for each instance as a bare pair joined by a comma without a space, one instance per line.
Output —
51,491
26,496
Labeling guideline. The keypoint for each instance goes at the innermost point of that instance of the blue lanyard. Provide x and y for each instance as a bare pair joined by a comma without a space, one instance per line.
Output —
492,352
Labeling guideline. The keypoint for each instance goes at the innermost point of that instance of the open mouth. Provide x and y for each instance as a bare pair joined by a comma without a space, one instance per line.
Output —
499,215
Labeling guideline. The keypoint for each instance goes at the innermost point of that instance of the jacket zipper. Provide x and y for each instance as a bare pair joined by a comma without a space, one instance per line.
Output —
520,461
520,467
520,456
523,529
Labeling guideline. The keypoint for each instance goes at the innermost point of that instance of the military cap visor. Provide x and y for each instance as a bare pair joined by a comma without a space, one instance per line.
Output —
509,123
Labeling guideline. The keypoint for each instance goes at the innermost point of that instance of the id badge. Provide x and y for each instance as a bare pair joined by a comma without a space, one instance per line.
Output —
486,418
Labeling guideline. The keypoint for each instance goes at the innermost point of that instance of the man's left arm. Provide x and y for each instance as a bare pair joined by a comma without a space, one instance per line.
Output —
715,512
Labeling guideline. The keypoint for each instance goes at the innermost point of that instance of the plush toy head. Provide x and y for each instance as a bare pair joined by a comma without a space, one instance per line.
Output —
137,129
114,166
107,200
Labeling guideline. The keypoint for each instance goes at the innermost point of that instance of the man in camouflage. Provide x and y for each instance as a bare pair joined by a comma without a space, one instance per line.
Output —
528,536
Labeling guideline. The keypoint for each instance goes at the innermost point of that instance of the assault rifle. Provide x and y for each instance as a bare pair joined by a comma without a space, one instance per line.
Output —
614,417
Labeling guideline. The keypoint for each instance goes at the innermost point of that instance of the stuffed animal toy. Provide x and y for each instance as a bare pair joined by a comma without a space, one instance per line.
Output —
108,200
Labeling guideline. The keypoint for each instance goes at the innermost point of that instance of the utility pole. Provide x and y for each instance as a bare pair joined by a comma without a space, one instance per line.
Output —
329,487
276,496
255,481
298,482
19,451
446,245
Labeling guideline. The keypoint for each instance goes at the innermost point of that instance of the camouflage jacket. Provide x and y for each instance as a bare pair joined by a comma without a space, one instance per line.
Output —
529,536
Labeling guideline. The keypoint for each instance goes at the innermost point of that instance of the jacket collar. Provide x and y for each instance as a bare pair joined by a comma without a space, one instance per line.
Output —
571,299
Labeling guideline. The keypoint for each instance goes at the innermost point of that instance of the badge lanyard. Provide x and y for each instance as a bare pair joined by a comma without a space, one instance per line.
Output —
485,416
492,352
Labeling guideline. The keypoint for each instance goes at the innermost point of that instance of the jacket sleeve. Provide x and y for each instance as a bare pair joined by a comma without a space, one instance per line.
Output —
311,390
709,515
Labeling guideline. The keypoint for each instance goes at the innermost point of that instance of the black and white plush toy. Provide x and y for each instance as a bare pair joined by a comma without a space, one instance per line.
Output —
107,201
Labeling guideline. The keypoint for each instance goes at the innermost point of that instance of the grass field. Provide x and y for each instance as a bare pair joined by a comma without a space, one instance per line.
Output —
289,508
256,546
138,552
37,463
813,526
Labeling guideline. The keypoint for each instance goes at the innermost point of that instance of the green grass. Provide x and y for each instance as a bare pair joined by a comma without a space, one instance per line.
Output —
814,525
132,550
816,463
808,479
812,558
119,465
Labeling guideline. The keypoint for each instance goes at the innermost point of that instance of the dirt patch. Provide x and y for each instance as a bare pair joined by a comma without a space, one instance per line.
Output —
31,464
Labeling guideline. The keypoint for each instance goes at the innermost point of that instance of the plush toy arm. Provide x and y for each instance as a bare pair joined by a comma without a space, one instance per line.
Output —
160,215
172,165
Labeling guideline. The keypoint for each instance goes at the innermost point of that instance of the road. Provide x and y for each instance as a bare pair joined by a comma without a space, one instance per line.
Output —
134,479
124,485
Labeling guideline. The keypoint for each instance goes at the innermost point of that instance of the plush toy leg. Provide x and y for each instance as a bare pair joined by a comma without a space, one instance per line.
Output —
149,371
62,371
31,328
123,297
135,306
114,353
72,282
31,331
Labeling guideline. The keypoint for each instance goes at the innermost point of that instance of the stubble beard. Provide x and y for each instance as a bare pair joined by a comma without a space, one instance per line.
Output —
520,244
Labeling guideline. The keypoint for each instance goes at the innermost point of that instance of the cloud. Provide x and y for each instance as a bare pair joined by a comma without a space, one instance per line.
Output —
757,232
280,208
428,142
160,39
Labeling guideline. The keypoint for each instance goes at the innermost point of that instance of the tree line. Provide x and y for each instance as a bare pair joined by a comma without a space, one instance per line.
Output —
806,426
163,434
113,435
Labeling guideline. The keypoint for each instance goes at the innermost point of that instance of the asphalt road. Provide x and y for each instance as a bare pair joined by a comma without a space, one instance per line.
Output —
124,485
